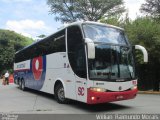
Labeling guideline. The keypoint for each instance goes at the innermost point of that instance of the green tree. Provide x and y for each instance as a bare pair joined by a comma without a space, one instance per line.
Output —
10,42
92,10
41,36
152,8
117,20
146,32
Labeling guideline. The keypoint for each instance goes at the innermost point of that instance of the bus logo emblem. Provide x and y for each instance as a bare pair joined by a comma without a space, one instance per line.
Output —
120,88
37,67
81,91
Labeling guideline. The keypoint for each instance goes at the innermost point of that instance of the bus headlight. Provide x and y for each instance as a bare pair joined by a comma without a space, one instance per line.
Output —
96,89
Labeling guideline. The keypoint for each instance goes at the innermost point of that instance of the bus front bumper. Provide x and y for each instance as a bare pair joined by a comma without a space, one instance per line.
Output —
104,97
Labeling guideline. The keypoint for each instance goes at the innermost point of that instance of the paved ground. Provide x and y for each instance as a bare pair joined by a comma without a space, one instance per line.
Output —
13,100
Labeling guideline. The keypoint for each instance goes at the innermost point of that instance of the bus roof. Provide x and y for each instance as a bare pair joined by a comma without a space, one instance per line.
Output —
91,22
79,23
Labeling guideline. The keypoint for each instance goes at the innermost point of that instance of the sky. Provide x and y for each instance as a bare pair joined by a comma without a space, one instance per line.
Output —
31,17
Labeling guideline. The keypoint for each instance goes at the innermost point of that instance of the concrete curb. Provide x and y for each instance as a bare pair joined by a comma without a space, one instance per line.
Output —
149,92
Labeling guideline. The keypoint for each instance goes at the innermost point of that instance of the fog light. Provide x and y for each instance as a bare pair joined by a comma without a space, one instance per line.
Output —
92,98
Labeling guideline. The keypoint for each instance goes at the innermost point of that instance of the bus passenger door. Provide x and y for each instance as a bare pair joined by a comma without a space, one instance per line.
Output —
77,60
81,74
81,89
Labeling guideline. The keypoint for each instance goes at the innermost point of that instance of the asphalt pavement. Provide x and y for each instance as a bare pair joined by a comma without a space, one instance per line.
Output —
13,100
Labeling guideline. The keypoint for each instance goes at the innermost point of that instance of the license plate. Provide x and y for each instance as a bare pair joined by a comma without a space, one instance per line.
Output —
119,97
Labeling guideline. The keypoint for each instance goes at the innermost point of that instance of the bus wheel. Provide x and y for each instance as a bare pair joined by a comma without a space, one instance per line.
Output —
20,83
23,85
60,94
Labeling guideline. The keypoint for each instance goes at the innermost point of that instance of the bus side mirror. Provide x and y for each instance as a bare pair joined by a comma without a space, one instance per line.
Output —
90,48
144,51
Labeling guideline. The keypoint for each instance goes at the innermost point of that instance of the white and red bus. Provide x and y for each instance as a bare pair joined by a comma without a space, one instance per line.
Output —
85,61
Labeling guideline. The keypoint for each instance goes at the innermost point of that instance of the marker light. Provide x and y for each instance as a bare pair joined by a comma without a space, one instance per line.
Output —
98,89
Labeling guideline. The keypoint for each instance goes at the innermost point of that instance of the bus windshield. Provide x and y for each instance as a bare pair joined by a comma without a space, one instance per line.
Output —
111,62
99,33
113,56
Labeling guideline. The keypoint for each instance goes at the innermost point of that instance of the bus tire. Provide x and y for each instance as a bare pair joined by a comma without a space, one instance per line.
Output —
20,83
23,85
60,94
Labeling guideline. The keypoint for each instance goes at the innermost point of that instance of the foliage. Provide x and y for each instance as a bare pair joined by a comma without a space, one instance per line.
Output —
117,20
152,8
41,36
146,32
111,20
10,42
92,10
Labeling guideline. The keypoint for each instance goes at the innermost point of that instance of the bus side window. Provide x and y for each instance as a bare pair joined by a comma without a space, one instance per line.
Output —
76,51
56,43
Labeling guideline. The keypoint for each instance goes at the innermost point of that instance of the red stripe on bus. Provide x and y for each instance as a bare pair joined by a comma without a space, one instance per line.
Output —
104,97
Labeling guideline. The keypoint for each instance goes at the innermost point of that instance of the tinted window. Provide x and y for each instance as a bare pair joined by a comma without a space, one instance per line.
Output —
76,51
52,44
112,62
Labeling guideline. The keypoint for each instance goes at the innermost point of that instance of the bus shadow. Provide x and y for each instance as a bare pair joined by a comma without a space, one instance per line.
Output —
106,107
39,93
